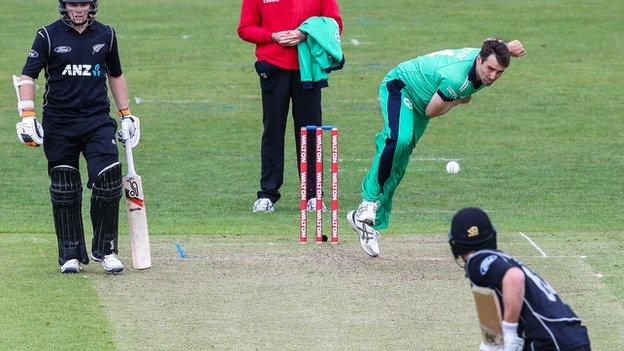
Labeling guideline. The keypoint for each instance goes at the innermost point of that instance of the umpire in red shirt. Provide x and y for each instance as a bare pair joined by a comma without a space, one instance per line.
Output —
272,26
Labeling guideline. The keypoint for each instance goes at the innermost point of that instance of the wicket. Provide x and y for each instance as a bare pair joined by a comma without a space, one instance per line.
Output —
303,171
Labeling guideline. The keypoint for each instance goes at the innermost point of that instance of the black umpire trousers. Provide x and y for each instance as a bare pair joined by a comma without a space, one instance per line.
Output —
279,87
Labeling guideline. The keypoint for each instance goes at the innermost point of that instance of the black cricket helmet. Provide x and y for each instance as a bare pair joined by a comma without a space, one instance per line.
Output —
92,10
471,230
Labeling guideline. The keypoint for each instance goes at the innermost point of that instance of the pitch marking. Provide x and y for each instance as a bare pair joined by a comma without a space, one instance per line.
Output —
534,245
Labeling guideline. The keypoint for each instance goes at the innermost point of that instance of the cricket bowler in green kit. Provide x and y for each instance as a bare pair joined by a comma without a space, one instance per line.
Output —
410,95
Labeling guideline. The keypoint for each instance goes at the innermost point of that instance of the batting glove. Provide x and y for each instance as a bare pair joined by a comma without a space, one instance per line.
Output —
29,131
510,336
130,129
487,347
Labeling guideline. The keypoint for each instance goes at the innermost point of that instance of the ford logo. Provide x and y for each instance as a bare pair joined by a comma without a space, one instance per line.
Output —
62,49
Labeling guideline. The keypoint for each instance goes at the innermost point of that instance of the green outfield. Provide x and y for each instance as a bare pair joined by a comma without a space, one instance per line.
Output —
541,151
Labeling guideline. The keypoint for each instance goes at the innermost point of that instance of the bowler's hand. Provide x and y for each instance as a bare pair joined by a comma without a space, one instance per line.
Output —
516,49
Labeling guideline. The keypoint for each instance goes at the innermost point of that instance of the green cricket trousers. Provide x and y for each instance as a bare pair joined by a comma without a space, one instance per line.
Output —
402,128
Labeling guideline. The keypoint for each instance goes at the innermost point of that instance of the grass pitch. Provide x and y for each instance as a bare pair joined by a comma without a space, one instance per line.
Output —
239,293
540,150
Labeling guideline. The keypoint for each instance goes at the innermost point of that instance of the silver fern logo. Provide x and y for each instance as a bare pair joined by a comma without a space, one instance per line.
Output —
97,48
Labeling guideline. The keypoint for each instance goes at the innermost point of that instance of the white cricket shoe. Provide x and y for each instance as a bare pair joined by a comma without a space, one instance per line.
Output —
110,263
263,205
367,234
71,266
312,205
366,212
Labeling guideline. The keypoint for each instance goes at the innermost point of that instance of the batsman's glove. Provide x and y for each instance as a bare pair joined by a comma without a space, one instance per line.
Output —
130,128
29,130
486,347
510,336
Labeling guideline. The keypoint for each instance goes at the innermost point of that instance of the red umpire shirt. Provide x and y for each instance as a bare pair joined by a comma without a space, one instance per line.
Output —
260,18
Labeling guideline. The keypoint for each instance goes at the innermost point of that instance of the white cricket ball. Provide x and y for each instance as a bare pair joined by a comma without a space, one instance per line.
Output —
452,167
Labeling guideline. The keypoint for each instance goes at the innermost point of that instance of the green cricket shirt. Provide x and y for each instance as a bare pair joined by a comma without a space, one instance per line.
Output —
450,73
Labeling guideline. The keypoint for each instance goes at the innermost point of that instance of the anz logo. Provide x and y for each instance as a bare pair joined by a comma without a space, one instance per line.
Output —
82,70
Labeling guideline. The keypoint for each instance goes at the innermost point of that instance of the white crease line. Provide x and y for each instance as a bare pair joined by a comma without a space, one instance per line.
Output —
534,245
451,259
424,210
435,159
281,257
341,159
139,100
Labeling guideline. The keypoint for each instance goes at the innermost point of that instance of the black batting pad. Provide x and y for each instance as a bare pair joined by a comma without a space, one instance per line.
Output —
66,193
105,196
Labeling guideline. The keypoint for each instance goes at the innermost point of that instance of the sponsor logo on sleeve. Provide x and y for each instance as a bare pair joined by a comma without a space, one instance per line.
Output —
33,54
62,49
451,92
485,264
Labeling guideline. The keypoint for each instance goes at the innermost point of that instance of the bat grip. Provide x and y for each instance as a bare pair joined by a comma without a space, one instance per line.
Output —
16,85
130,158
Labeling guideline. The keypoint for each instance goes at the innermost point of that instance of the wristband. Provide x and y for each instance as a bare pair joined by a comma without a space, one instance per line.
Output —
510,327
124,112
26,105
28,114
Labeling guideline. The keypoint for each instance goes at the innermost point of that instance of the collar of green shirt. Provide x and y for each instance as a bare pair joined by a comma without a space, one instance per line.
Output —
472,75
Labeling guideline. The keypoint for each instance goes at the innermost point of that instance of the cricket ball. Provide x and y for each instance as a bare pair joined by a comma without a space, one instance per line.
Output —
452,167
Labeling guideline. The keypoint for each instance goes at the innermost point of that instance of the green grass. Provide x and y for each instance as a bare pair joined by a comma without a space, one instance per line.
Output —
540,150
43,310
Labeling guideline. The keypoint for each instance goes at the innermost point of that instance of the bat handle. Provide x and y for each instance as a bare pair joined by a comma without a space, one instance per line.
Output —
130,158
16,85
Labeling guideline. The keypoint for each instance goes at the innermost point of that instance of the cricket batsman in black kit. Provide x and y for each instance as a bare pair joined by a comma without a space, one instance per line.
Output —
78,54
534,316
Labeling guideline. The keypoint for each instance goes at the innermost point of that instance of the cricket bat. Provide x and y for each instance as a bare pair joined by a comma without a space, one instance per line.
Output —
137,218
490,316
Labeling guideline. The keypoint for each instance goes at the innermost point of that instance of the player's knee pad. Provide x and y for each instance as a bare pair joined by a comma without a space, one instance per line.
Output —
107,185
65,185
105,196
66,194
